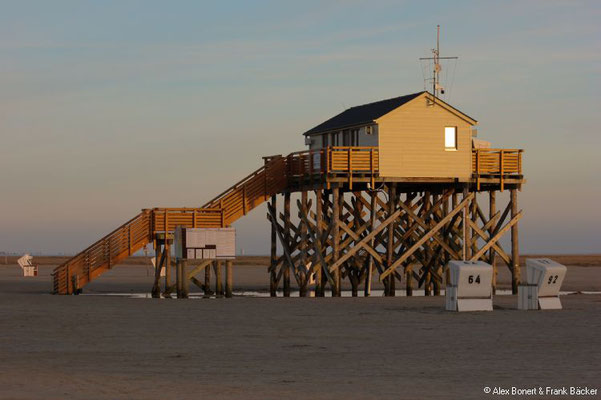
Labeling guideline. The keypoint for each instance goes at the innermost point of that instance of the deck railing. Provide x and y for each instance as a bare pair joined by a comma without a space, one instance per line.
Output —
496,163
106,252
347,160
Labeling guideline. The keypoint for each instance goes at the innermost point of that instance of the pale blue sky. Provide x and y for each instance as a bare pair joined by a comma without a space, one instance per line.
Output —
109,107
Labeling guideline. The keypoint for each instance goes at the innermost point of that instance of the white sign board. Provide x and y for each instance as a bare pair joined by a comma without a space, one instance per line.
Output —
205,243
469,287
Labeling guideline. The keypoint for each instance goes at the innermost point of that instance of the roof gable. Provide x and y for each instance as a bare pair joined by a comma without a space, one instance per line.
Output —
362,115
369,113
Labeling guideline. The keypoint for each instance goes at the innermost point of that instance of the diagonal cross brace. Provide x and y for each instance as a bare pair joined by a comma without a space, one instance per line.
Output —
495,238
365,241
427,236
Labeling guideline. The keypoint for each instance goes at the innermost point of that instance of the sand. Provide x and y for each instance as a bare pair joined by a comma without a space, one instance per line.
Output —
106,347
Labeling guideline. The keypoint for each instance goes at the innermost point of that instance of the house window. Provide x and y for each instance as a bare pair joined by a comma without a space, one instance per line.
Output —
324,140
450,138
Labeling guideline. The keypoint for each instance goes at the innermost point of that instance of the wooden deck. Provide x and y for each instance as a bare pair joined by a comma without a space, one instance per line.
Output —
352,165
351,168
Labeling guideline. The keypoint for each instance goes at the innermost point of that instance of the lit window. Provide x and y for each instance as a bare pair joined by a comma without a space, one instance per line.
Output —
450,138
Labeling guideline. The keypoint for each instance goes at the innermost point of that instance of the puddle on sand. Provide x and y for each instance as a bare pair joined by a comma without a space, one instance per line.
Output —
345,293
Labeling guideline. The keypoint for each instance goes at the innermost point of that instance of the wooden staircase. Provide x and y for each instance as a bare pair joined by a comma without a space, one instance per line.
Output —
129,238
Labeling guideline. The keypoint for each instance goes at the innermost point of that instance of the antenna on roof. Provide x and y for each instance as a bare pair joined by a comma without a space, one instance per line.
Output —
436,86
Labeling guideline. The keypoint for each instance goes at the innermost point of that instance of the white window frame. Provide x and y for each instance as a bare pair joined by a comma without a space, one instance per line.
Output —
446,142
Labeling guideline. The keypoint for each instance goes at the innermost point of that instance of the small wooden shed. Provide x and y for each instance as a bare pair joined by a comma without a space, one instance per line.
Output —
417,135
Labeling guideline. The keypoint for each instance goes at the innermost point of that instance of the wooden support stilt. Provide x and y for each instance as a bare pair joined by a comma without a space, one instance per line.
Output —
178,278
320,279
273,282
185,280
156,288
409,280
218,282
427,250
229,279
305,272
472,235
207,285
286,266
167,249
515,249
370,260
464,241
389,283
336,289
492,207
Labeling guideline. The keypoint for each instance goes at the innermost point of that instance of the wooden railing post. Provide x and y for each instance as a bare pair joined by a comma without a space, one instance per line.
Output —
501,168
477,168
265,196
371,167
350,168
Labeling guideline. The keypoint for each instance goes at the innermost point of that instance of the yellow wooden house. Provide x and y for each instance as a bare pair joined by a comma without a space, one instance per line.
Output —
417,136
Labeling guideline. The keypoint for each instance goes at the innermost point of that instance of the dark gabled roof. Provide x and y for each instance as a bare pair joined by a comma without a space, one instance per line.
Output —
361,115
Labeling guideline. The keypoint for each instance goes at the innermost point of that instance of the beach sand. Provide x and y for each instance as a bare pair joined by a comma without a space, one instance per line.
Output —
110,347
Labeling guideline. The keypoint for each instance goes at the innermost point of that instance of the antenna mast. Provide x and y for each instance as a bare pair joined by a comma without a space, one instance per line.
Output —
436,86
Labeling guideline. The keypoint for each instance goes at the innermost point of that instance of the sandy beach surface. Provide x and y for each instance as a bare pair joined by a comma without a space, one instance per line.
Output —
97,346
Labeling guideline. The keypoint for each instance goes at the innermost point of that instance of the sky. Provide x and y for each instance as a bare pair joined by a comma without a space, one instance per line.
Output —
110,107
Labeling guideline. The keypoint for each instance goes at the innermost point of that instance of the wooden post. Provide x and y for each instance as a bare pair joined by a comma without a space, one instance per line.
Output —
229,279
286,265
207,285
389,283
156,289
218,282
184,278
178,278
427,250
319,279
464,242
306,273
167,267
492,207
515,245
355,274
409,280
273,283
336,289
372,222
474,212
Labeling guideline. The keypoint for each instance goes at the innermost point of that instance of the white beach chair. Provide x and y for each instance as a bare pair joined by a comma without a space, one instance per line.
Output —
27,265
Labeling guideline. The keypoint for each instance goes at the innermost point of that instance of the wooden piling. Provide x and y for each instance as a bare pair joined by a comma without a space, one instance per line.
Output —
409,280
515,250
319,279
306,272
229,278
178,278
207,285
389,286
427,250
370,260
184,278
492,209
156,289
336,288
218,282
273,283
287,266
